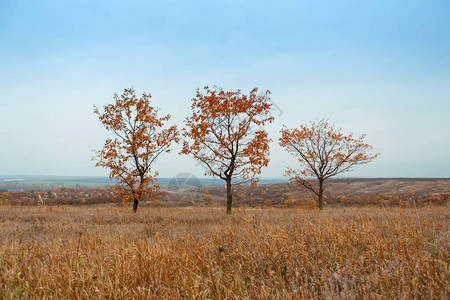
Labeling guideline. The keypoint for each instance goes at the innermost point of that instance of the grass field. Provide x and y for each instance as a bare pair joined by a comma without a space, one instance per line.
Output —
194,253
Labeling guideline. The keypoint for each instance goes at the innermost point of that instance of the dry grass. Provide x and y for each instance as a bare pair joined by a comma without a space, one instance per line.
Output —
108,252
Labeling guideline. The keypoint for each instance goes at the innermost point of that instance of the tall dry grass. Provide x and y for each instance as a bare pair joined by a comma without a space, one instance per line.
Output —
194,253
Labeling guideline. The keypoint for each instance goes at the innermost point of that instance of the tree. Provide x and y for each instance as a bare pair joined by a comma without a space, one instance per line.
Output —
221,134
289,201
139,138
323,152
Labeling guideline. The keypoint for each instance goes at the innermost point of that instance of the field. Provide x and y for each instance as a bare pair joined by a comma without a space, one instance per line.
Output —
90,252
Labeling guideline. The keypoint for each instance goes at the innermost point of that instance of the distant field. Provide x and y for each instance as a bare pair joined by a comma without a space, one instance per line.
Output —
48,183
45,182
390,186
66,252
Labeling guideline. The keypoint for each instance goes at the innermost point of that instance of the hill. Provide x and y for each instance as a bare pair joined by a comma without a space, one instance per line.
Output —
181,191
349,191
390,186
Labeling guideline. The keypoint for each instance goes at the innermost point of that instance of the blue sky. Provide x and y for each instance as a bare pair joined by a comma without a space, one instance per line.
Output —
375,67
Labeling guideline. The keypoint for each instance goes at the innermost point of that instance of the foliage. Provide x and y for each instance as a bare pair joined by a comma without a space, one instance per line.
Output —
207,197
289,202
323,152
139,138
225,133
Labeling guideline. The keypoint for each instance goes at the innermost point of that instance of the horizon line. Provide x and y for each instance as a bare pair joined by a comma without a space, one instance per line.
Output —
214,177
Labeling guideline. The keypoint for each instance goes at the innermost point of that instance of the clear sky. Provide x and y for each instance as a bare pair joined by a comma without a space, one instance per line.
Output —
375,67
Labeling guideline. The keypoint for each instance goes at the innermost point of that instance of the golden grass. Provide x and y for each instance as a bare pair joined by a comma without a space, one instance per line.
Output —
194,253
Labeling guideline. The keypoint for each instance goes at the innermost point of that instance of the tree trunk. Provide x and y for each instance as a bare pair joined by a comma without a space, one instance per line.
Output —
229,195
320,194
137,196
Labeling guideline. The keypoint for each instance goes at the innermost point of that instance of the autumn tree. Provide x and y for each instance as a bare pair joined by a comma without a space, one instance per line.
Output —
139,137
225,133
323,152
